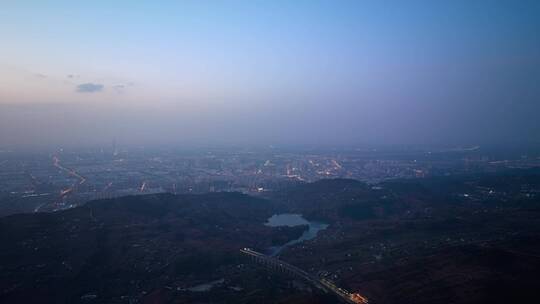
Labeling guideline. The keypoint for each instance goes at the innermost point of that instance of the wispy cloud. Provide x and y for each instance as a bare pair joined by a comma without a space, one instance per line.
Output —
90,88
121,88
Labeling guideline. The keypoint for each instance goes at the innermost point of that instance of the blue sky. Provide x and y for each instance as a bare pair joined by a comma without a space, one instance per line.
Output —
389,68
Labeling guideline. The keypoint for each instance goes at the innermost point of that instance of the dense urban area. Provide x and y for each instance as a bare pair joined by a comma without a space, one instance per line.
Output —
33,182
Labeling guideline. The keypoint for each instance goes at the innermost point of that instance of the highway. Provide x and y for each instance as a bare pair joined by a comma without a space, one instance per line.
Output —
322,284
71,172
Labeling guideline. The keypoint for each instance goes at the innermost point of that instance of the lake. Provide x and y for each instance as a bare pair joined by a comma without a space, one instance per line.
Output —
291,220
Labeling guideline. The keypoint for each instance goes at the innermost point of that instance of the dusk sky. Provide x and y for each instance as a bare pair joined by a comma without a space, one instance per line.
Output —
269,72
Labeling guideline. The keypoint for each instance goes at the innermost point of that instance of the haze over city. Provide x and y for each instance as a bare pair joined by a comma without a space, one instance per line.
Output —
269,151
269,73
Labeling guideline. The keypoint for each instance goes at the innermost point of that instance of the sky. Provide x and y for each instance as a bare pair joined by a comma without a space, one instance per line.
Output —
269,72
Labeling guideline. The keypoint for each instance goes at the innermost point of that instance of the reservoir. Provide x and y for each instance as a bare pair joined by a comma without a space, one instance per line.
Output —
291,220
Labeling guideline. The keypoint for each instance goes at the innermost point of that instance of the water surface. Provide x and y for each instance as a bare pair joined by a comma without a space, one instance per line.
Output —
291,220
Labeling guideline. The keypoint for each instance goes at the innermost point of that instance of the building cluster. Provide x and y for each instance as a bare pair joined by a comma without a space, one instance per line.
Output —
64,179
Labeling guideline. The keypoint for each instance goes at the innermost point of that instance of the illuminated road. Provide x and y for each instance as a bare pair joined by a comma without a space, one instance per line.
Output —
71,172
322,284
69,190
143,186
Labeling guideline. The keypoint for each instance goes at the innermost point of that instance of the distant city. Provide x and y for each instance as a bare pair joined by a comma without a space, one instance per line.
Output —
67,178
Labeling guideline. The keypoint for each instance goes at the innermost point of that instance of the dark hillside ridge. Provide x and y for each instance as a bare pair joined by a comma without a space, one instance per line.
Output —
124,245
457,239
